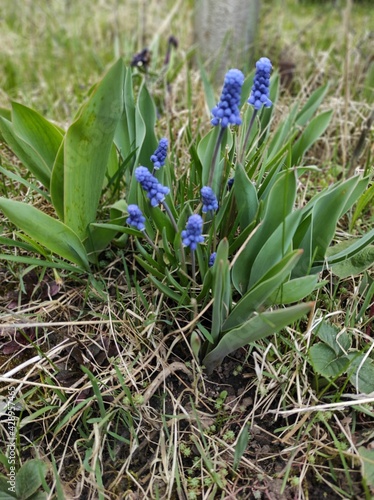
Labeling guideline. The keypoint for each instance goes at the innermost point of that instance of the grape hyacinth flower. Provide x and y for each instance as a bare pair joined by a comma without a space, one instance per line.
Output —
212,259
227,110
230,183
159,156
136,218
209,199
192,236
260,90
156,192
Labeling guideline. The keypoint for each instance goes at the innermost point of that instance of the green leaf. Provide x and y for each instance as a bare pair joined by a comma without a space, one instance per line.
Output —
361,372
278,205
221,289
326,362
294,290
5,492
257,295
246,197
43,136
311,106
25,153
50,232
145,120
241,446
367,465
87,149
312,132
338,340
355,265
29,478
258,327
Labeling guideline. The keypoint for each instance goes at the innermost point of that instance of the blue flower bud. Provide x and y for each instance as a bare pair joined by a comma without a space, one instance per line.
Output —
156,192
192,236
260,90
209,199
227,110
159,156
212,259
136,218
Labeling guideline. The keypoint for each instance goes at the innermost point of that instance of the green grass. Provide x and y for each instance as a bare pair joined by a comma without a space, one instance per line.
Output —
116,403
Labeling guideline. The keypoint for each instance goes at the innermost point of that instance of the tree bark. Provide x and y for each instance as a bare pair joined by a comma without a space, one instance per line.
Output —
225,32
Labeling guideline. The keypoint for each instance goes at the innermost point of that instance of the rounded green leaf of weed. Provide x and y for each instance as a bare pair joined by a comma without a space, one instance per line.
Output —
29,478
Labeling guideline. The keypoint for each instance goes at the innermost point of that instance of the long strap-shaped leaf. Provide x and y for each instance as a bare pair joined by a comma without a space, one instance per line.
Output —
46,230
88,144
256,328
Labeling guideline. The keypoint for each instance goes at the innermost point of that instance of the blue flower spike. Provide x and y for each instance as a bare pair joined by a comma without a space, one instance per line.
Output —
135,218
209,199
227,111
159,156
156,192
260,90
192,235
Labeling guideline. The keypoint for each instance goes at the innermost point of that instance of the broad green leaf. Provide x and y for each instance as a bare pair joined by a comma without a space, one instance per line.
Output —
326,362
323,212
275,248
309,136
365,199
279,204
145,120
258,327
294,290
100,235
29,478
361,372
25,153
246,197
57,183
311,106
256,296
43,136
87,148
124,137
46,230
356,264
367,460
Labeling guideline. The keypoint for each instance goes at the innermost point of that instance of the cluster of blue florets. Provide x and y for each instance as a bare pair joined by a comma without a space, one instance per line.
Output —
260,90
192,235
227,111
209,199
135,218
159,156
155,191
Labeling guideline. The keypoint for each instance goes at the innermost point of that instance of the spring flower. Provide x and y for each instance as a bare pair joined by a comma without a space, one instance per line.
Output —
212,259
159,156
260,90
227,110
192,236
230,183
209,199
136,218
156,192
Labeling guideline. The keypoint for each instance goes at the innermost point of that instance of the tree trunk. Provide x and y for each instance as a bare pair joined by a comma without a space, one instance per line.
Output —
225,32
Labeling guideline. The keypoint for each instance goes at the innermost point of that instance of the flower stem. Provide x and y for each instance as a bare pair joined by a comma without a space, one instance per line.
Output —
214,157
150,242
246,140
173,221
193,265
